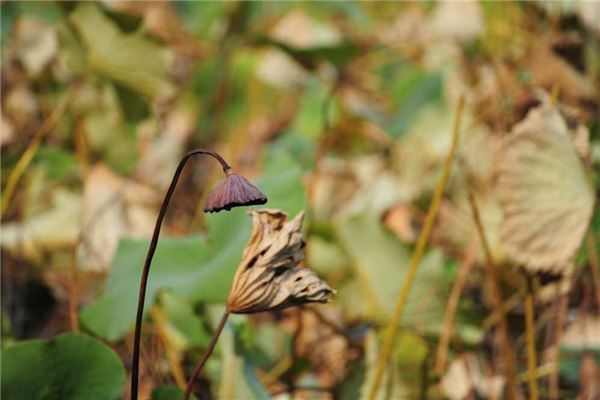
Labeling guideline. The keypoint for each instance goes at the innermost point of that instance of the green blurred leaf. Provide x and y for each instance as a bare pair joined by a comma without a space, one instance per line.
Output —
103,129
59,164
309,118
70,366
134,107
262,345
198,268
200,17
49,12
71,50
381,268
129,59
105,125
392,385
237,377
168,393
411,92
184,328
6,331
222,83
260,393
338,54
410,88
301,137
325,257
354,11
570,362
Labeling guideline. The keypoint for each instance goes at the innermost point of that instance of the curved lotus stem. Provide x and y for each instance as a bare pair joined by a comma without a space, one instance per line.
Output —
245,194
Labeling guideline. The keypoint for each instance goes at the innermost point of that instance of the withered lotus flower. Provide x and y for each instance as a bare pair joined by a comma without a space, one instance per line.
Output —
270,276
234,191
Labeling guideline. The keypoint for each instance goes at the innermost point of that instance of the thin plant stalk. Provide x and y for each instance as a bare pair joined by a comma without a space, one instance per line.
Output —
563,304
530,333
73,291
453,299
392,327
27,156
135,360
594,263
509,358
207,353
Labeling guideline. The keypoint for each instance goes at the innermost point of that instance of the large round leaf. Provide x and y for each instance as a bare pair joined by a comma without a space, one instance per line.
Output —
70,366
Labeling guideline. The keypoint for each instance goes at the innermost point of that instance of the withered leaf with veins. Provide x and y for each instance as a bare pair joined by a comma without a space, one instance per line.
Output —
270,276
545,194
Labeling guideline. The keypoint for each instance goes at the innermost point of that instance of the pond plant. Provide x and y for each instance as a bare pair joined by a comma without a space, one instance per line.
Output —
270,275
233,192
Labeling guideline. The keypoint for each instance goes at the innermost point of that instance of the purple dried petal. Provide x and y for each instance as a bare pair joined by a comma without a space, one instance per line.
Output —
234,191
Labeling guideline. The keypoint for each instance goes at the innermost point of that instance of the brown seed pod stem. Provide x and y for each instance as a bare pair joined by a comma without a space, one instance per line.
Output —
496,292
530,336
206,355
135,360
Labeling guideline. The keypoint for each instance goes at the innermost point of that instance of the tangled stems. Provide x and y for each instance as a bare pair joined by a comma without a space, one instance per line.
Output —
135,361
207,353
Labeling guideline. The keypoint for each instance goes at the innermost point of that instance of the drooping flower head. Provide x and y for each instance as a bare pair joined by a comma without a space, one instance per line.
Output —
234,191
270,276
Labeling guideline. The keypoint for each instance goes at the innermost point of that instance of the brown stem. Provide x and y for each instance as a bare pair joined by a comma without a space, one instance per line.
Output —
135,360
207,353
594,263
496,292
563,304
530,336
73,291
452,305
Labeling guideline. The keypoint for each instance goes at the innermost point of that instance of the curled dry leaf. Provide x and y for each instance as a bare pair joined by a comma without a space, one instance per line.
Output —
544,193
270,276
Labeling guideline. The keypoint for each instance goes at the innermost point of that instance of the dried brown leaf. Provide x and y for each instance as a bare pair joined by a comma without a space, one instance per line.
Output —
544,193
270,276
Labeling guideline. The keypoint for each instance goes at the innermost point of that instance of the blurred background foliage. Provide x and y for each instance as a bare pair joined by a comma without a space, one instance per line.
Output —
342,109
